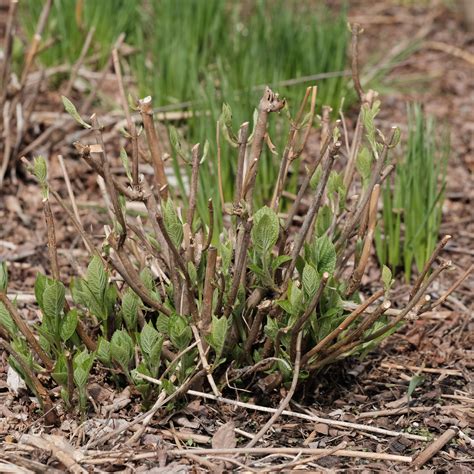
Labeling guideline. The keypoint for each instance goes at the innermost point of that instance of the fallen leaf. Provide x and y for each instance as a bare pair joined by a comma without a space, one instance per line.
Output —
224,437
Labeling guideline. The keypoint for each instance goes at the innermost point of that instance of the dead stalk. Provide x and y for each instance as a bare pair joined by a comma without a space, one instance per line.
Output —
146,110
342,327
364,258
270,102
312,211
239,176
208,293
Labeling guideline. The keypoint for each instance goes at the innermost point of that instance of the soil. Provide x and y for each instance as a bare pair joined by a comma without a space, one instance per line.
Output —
431,358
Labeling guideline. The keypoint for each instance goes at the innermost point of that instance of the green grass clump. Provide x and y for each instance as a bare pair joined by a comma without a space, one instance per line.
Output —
70,21
413,201
215,51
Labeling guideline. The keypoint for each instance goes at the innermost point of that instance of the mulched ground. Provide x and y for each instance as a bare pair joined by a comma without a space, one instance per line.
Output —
433,356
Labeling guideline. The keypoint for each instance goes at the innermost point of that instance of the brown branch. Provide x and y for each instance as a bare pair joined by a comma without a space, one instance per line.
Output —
146,110
132,278
208,293
210,208
219,166
364,258
312,211
342,327
435,447
289,150
412,303
239,265
356,31
194,187
270,102
52,245
363,201
111,190
305,184
7,50
239,176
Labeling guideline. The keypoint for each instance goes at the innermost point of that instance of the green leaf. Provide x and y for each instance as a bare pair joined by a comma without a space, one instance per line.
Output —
3,277
103,351
68,325
82,364
323,220
180,332
368,119
121,348
6,321
218,334
163,324
279,261
286,306
72,111
130,306
265,230
316,178
97,277
125,163
386,277
415,381
53,300
296,299
60,371
364,164
40,285
311,280
149,337
172,223
325,255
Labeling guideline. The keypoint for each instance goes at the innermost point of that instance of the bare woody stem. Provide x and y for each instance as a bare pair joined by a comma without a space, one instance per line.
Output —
109,182
288,151
356,31
194,186
208,292
375,178
239,177
25,330
364,258
305,184
7,50
312,211
342,327
412,303
52,246
146,111
270,102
